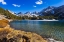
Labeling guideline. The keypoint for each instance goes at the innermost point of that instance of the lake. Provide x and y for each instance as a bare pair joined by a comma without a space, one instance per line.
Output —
55,29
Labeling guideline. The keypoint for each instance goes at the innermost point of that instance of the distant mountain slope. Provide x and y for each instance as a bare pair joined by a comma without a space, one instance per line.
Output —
59,9
8,14
2,17
54,11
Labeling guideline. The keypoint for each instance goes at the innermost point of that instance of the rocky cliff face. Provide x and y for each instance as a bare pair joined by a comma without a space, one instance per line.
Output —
7,34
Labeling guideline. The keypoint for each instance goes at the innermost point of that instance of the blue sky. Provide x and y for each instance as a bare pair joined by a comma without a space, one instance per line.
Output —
29,5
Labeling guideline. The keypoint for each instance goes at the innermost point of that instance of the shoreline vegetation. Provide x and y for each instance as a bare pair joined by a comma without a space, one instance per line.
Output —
7,34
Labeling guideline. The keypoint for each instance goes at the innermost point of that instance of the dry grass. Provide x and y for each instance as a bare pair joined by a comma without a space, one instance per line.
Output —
3,23
6,30
10,35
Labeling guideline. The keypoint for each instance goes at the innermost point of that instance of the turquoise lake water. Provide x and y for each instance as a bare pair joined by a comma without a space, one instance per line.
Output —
55,29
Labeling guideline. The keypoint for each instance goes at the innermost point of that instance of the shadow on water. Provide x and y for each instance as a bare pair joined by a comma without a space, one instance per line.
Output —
54,29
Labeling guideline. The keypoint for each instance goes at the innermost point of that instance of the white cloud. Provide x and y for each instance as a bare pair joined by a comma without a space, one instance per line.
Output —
34,6
3,2
16,5
39,2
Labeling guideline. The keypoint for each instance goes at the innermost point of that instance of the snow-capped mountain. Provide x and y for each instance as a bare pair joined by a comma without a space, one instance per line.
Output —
54,11
59,12
49,10
11,12
29,14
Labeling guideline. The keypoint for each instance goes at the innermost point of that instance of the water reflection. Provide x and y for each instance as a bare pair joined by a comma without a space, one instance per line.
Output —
52,28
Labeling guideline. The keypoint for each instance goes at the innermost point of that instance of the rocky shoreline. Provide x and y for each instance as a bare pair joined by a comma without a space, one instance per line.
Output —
8,34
